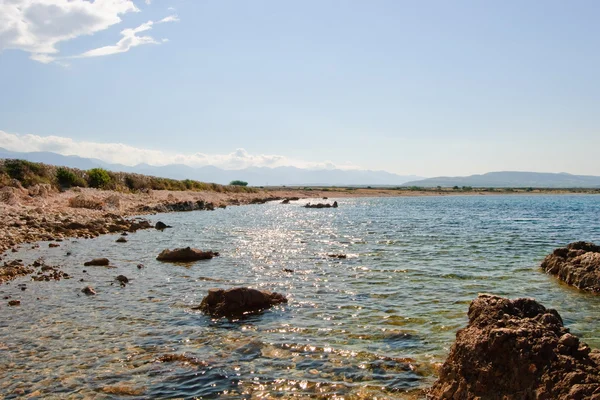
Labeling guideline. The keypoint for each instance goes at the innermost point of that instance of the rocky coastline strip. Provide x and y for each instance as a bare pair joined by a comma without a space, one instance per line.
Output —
41,213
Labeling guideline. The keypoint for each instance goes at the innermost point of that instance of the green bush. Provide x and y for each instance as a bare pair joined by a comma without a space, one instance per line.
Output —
98,178
238,183
68,178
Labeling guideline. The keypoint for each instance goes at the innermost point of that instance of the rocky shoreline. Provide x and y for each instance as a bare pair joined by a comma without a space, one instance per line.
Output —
43,214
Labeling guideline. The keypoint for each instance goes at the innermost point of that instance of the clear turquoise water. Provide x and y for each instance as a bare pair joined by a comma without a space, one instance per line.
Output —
372,325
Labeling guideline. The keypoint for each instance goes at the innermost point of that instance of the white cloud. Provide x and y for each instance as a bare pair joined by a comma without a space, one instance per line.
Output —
170,18
128,155
130,39
37,26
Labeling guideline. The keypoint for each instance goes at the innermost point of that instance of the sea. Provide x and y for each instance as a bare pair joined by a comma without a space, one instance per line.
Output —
377,324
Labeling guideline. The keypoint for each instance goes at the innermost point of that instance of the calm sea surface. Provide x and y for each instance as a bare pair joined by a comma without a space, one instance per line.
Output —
373,325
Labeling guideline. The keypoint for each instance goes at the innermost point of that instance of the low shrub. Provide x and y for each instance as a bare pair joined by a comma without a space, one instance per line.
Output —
67,178
238,183
98,178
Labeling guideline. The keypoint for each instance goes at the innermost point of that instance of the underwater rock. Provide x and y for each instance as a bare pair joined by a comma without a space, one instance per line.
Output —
517,349
577,264
238,301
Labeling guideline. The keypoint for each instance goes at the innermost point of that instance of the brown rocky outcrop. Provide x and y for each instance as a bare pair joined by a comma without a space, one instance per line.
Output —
238,301
186,254
517,349
577,264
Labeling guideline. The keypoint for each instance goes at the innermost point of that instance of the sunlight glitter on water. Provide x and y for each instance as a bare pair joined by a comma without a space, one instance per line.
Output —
375,324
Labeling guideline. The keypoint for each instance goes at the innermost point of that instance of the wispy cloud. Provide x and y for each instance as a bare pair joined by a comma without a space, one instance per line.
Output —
170,18
129,155
130,39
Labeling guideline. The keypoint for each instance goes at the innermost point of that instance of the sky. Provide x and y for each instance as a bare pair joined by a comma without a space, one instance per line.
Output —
428,88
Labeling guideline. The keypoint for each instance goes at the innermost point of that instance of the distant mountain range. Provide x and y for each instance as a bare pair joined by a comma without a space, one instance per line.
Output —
255,176
513,179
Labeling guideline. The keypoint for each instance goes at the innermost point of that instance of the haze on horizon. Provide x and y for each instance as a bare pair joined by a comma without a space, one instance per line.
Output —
427,88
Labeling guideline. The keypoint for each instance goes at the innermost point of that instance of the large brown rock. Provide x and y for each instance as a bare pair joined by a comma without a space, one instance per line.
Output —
578,264
186,254
517,349
238,301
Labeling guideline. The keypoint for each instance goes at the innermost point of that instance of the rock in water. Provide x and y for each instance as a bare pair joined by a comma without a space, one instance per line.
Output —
238,301
161,225
185,255
578,264
517,349
88,290
97,262
121,240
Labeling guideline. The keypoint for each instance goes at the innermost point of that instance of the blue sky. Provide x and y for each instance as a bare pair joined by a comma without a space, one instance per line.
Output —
424,87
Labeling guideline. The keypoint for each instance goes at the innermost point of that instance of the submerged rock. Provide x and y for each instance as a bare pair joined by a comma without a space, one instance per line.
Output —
97,262
13,303
122,279
186,254
238,301
121,240
577,264
517,349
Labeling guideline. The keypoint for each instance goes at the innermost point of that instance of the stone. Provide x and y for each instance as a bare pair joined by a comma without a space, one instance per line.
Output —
577,264
161,225
88,290
121,240
517,349
186,254
97,262
13,303
238,301
337,255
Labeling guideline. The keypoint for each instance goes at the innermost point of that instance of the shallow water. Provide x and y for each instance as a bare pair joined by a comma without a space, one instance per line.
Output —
372,325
